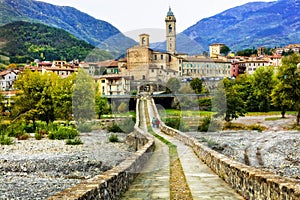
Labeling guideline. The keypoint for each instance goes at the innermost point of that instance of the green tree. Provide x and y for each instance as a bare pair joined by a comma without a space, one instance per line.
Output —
83,104
263,83
227,100
173,85
225,50
102,106
287,90
34,99
197,85
63,93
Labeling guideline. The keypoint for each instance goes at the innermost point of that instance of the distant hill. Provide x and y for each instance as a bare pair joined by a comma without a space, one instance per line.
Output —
23,42
269,24
96,32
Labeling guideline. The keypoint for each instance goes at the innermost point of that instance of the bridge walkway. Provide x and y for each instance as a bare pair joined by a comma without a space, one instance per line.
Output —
203,182
153,181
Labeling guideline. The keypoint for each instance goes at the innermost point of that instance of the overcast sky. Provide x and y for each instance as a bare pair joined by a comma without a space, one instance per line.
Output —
131,15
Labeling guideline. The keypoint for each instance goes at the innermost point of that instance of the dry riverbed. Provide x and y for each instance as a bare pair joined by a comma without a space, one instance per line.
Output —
33,169
276,149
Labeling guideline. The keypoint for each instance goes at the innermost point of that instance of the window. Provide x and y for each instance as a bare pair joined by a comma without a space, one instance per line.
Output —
132,77
162,67
155,57
144,77
170,28
152,70
161,57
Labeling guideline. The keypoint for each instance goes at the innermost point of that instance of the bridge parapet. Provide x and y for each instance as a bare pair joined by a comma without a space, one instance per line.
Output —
250,182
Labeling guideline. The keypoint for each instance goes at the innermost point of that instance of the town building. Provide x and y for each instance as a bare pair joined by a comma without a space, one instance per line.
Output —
7,78
113,84
215,50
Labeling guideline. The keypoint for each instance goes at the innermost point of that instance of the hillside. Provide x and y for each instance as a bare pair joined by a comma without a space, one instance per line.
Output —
96,32
268,24
24,41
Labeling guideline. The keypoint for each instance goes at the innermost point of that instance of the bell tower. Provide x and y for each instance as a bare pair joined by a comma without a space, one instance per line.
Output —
170,32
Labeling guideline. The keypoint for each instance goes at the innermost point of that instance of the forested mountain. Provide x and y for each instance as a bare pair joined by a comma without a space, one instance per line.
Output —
96,32
255,24
25,41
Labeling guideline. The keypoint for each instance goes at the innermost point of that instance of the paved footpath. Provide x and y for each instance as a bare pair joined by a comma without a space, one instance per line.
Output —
203,182
153,181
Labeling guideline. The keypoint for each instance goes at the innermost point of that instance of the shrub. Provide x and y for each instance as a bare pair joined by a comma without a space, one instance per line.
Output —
257,127
234,126
173,122
38,136
127,125
42,132
62,133
6,140
84,128
113,138
209,124
29,128
205,103
24,136
75,141
114,128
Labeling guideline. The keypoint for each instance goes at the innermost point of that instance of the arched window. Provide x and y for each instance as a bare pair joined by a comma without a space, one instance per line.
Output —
170,28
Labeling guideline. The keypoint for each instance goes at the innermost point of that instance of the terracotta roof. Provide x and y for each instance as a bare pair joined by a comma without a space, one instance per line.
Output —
5,72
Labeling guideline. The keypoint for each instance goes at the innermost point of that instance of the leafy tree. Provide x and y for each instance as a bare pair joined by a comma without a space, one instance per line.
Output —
247,52
225,50
227,101
102,106
263,83
287,90
83,103
197,85
63,93
173,85
34,100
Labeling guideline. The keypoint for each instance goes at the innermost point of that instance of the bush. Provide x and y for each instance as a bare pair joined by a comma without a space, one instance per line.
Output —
257,127
75,141
173,122
205,104
113,138
127,125
84,128
24,136
38,136
62,133
114,128
209,124
6,140
29,128
176,123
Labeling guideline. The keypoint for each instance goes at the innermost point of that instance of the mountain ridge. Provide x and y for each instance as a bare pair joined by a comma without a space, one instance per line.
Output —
83,26
23,42
250,25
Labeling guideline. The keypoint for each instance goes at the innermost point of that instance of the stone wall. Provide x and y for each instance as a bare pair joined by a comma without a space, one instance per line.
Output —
112,183
251,183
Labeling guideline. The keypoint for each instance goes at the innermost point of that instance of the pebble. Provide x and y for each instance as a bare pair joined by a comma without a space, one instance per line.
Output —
33,169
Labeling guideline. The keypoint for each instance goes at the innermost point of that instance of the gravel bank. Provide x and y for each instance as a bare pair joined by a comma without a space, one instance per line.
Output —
276,149
34,169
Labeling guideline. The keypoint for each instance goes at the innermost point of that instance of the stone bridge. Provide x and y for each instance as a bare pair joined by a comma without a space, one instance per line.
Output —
210,175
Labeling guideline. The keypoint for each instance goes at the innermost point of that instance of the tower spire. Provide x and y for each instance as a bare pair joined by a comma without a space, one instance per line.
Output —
171,32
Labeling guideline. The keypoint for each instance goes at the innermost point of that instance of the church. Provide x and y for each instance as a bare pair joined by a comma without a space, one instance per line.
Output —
143,64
